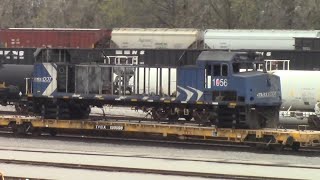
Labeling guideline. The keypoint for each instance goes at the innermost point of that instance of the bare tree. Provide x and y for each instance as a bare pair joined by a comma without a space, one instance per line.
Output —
245,14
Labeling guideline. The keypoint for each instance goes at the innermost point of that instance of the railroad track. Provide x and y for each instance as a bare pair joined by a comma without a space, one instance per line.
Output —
145,170
193,144
137,170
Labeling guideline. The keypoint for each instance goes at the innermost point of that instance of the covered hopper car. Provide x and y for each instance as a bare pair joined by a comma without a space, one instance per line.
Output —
260,39
160,38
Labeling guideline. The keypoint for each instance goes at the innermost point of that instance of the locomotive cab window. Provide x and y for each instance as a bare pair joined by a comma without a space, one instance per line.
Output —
212,71
224,70
220,70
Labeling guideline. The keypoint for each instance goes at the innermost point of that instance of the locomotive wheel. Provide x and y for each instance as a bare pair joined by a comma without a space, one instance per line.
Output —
79,111
268,117
295,146
201,116
272,118
62,111
21,108
187,117
159,114
254,121
173,118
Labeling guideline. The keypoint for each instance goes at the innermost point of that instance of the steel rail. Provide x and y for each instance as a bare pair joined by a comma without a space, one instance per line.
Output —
159,158
136,170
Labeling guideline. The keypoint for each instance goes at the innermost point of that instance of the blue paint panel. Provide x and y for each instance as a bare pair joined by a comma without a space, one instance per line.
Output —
190,84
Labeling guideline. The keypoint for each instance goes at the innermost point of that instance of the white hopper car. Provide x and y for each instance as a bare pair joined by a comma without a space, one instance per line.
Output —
157,38
255,38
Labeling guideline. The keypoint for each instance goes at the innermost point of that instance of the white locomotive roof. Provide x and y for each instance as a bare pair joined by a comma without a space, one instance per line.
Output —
156,37
260,33
216,56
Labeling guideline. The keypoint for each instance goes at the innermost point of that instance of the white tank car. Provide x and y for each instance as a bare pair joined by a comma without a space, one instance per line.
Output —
300,89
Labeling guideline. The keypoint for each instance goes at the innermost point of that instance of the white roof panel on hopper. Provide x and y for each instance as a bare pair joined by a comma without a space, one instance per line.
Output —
154,38
261,33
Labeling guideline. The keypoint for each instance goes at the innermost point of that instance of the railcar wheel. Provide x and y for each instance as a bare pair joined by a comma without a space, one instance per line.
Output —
53,132
36,132
277,147
295,146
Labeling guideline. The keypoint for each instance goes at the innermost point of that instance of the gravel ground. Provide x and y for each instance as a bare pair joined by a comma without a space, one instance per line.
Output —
162,164
61,174
136,160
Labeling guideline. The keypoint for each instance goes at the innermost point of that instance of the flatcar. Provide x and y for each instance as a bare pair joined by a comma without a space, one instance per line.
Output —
222,88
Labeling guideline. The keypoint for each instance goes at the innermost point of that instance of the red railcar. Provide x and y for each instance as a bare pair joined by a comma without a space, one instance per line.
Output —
54,38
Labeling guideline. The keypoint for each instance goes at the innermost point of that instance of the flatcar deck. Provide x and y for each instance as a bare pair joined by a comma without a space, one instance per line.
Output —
286,137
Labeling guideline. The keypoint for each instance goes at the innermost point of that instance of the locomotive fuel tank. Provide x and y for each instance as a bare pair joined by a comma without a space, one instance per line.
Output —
300,89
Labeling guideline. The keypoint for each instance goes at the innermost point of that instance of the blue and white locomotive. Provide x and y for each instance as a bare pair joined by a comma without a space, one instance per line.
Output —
223,88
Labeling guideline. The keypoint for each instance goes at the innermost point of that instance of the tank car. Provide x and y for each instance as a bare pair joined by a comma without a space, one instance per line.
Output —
213,90
13,82
299,89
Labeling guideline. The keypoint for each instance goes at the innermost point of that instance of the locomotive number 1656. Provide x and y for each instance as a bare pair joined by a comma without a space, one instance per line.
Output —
220,82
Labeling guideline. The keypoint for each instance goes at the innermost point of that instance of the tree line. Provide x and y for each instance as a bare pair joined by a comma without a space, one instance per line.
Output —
227,14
